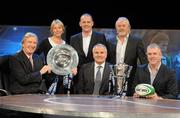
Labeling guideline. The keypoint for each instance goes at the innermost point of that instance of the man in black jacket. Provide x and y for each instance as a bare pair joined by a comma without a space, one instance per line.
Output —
27,68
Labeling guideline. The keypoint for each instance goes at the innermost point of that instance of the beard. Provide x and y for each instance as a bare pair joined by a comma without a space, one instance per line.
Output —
122,33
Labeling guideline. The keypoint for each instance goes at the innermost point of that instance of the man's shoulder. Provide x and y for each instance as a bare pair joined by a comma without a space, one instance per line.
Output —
134,37
142,66
87,65
75,35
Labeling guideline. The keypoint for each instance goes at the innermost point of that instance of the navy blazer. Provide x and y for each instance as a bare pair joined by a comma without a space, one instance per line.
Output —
86,79
24,78
134,52
165,83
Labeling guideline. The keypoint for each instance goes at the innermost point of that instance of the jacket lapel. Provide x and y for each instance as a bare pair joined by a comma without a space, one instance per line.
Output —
81,44
159,75
25,61
127,50
147,75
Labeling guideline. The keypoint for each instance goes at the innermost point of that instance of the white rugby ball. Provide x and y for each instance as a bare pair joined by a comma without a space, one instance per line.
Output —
144,90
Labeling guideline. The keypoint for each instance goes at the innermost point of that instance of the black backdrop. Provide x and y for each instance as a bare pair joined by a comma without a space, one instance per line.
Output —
142,14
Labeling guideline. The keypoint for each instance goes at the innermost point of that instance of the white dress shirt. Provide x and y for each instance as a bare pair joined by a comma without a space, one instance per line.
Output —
86,42
120,50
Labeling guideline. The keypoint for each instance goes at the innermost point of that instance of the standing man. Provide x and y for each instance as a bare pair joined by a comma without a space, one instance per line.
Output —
157,74
84,41
126,49
94,76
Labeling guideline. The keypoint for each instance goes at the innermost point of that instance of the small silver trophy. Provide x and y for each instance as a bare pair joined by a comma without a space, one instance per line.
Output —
119,74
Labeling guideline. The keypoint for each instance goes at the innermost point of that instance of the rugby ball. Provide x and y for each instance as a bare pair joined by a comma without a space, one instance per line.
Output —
144,90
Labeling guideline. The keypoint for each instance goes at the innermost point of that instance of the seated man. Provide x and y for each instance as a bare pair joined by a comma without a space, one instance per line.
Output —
94,76
162,78
27,68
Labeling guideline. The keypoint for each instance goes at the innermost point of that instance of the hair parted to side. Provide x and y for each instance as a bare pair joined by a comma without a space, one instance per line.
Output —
27,35
58,22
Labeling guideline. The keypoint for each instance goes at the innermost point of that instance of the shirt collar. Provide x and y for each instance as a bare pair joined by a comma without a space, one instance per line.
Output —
102,65
157,68
88,34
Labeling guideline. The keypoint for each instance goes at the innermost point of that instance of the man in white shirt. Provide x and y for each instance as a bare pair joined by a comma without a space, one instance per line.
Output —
126,49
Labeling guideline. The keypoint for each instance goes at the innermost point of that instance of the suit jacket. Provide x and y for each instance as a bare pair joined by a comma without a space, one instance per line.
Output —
76,41
24,78
165,83
86,79
134,52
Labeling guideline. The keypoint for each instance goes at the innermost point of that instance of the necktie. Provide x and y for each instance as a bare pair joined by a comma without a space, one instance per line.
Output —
31,60
97,81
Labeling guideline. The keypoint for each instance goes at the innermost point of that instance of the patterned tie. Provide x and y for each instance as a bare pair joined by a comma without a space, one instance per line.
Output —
97,81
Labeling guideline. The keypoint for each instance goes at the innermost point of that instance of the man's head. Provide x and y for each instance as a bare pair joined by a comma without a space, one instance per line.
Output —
57,27
122,26
99,53
86,23
154,54
29,43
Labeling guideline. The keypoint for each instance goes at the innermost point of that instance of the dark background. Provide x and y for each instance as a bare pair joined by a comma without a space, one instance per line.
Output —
142,14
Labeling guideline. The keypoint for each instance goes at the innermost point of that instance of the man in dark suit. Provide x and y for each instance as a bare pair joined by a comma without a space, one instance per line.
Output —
126,49
157,74
27,68
88,73
84,41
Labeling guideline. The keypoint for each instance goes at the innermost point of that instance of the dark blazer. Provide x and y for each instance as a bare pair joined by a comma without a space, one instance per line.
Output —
76,41
86,79
24,78
165,83
134,52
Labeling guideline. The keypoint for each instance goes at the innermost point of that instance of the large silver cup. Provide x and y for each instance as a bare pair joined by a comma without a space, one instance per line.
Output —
121,72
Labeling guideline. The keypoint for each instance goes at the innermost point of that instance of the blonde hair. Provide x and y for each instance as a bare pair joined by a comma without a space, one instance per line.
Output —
58,22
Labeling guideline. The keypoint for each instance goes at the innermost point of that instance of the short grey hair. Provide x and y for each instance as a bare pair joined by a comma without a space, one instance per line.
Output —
100,45
153,45
123,19
28,35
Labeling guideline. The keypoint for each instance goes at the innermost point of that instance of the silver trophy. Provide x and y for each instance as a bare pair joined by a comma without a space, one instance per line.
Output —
62,59
119,74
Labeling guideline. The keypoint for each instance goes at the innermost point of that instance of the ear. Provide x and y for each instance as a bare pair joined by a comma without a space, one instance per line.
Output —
80,23
92,23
